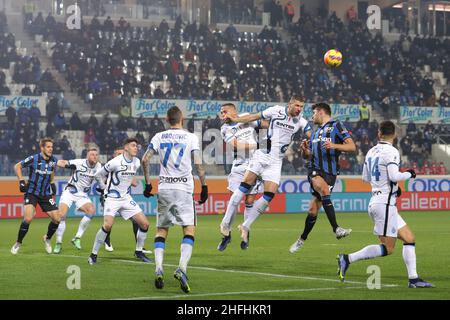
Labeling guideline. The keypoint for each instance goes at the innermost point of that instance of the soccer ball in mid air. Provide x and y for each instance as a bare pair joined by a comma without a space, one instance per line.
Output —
333,58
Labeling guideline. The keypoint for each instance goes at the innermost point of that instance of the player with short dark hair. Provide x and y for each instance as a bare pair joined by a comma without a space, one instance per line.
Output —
39,189
121,171
381,170
323,150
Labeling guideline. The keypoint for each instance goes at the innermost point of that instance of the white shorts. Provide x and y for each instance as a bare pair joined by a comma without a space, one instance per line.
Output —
387,220
69,198
175,207
265,166
236,176
125,206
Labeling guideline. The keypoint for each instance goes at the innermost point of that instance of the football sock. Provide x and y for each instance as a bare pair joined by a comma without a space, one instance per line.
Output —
108,239
409,257
60,231
248,209
99,240
369,252
329,210
52,227
135,228
84,224
235,200
159,247
22,231
141,237
259,207
186,251
310,221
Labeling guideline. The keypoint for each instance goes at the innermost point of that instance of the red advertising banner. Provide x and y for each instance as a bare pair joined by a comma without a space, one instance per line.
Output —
12,207
424,201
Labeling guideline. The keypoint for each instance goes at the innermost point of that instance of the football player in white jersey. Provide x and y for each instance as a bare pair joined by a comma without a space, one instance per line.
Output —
121,171
243,138
284,122
76,192
176,149
108,246
381,170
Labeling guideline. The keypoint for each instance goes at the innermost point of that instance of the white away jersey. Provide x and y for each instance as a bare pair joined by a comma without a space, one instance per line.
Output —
174,147
82,177
282,128
375,171
120,175
242,132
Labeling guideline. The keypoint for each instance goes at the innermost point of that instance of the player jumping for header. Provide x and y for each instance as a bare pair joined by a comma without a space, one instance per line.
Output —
323,150
284,122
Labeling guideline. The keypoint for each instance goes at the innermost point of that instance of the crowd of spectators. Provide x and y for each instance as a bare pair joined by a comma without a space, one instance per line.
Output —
109,63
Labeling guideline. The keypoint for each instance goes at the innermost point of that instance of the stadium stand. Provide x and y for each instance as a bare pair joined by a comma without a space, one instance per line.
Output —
109,63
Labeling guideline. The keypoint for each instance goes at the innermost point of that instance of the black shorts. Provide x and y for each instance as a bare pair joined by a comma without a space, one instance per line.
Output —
46,203
329,179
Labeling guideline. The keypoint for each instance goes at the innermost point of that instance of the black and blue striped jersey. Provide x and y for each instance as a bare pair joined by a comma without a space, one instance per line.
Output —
322,159
40,171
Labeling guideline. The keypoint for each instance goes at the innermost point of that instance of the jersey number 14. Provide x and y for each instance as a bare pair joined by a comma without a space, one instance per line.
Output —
374,169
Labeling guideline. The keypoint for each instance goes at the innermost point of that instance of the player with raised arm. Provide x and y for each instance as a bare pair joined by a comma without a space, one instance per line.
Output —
243,138
284,122
76,192
120,171
381,170
176,149
327,142
39,189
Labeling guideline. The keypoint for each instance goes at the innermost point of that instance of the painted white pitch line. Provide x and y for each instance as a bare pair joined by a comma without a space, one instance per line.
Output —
262,274
235,271
235,293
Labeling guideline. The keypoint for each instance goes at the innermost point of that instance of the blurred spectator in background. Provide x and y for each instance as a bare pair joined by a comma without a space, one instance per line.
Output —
60,121
90,136
69,154
75,122
11,115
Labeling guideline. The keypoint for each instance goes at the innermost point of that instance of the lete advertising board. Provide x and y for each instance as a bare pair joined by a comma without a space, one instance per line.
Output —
210,108
421,115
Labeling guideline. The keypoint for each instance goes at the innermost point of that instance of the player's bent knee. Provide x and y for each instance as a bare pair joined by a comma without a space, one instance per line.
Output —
268,196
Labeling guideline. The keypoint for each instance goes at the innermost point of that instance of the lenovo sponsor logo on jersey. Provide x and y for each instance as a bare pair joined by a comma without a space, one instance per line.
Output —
163,179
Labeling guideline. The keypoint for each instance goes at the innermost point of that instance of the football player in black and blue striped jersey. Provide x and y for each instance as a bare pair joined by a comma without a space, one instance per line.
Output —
39,189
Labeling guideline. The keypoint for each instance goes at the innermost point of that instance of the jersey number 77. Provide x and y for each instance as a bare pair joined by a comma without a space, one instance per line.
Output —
173,146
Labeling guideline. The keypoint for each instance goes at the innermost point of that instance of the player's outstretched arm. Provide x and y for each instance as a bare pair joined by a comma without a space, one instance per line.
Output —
245,119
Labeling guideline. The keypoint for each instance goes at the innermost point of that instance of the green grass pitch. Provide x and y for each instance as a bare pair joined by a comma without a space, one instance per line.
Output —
265,271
